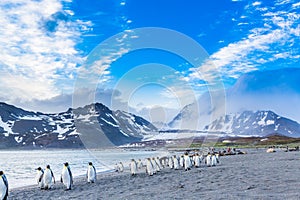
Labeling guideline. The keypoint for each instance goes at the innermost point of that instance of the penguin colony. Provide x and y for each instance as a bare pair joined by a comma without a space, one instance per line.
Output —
45,177
156,164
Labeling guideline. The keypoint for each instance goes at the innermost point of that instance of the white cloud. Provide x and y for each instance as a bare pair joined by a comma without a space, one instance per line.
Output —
256,3
37,45
267,42
296,4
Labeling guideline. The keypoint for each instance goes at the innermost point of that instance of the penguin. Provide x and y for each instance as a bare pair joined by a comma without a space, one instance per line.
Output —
176,162
66,176
3,186
48,177
197,160
133,167
39,177
117,168
149,167
208,160
187,162
181,161
91,173
217,157
170,163
213,160
139,164
121,167
157,160
156,166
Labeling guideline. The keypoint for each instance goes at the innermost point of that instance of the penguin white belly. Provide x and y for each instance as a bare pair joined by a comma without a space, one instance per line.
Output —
66,178
133,167
213,161
187,162
91,175
171,163
149,168
47,179
176,163
197,161
208,160
181,161
2,189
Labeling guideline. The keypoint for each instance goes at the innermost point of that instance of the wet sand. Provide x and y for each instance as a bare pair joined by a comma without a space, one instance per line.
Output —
256,175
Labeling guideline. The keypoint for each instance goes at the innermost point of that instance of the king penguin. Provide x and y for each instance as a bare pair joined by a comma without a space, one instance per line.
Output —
48,176
208,160
3,186
66,176
149,167
187,162
39,177
197,160
176,162
133,167
91,173
213,160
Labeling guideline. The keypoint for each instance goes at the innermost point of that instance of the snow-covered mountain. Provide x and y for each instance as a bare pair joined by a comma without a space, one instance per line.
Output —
260,123
20,128
276,90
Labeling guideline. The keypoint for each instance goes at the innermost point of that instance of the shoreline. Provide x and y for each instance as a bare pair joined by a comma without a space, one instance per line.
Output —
256,175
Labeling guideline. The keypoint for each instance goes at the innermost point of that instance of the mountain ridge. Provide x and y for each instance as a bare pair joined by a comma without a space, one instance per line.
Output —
21,128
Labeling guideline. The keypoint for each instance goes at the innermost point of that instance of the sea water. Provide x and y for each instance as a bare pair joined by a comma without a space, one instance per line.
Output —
19,166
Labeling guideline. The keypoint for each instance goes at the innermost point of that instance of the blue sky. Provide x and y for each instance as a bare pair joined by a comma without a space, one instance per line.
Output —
45,43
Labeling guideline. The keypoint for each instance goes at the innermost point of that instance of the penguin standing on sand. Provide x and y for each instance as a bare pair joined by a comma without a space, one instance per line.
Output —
39,177
197,160
66,176
181,161
133,167
139,164
208,160
48,176
91,173
187,162
176,162
149,167
117,168
3,186
121,167
170,162
156,166
213,160
157,160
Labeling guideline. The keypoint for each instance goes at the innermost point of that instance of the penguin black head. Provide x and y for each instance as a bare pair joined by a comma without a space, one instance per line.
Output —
90,163
48,166
1,173
66,164
39,168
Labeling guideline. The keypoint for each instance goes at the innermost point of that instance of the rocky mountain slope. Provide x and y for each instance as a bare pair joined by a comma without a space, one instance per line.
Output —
20,128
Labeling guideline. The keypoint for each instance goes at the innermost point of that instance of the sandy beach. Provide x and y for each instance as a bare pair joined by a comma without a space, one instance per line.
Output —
255,175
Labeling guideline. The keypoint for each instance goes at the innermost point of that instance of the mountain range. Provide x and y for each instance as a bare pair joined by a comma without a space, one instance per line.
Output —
70,129
273,90
253,106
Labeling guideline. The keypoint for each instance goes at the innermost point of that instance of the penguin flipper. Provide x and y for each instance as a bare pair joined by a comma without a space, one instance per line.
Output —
52,176
95,173
70,173
6,184
40,178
